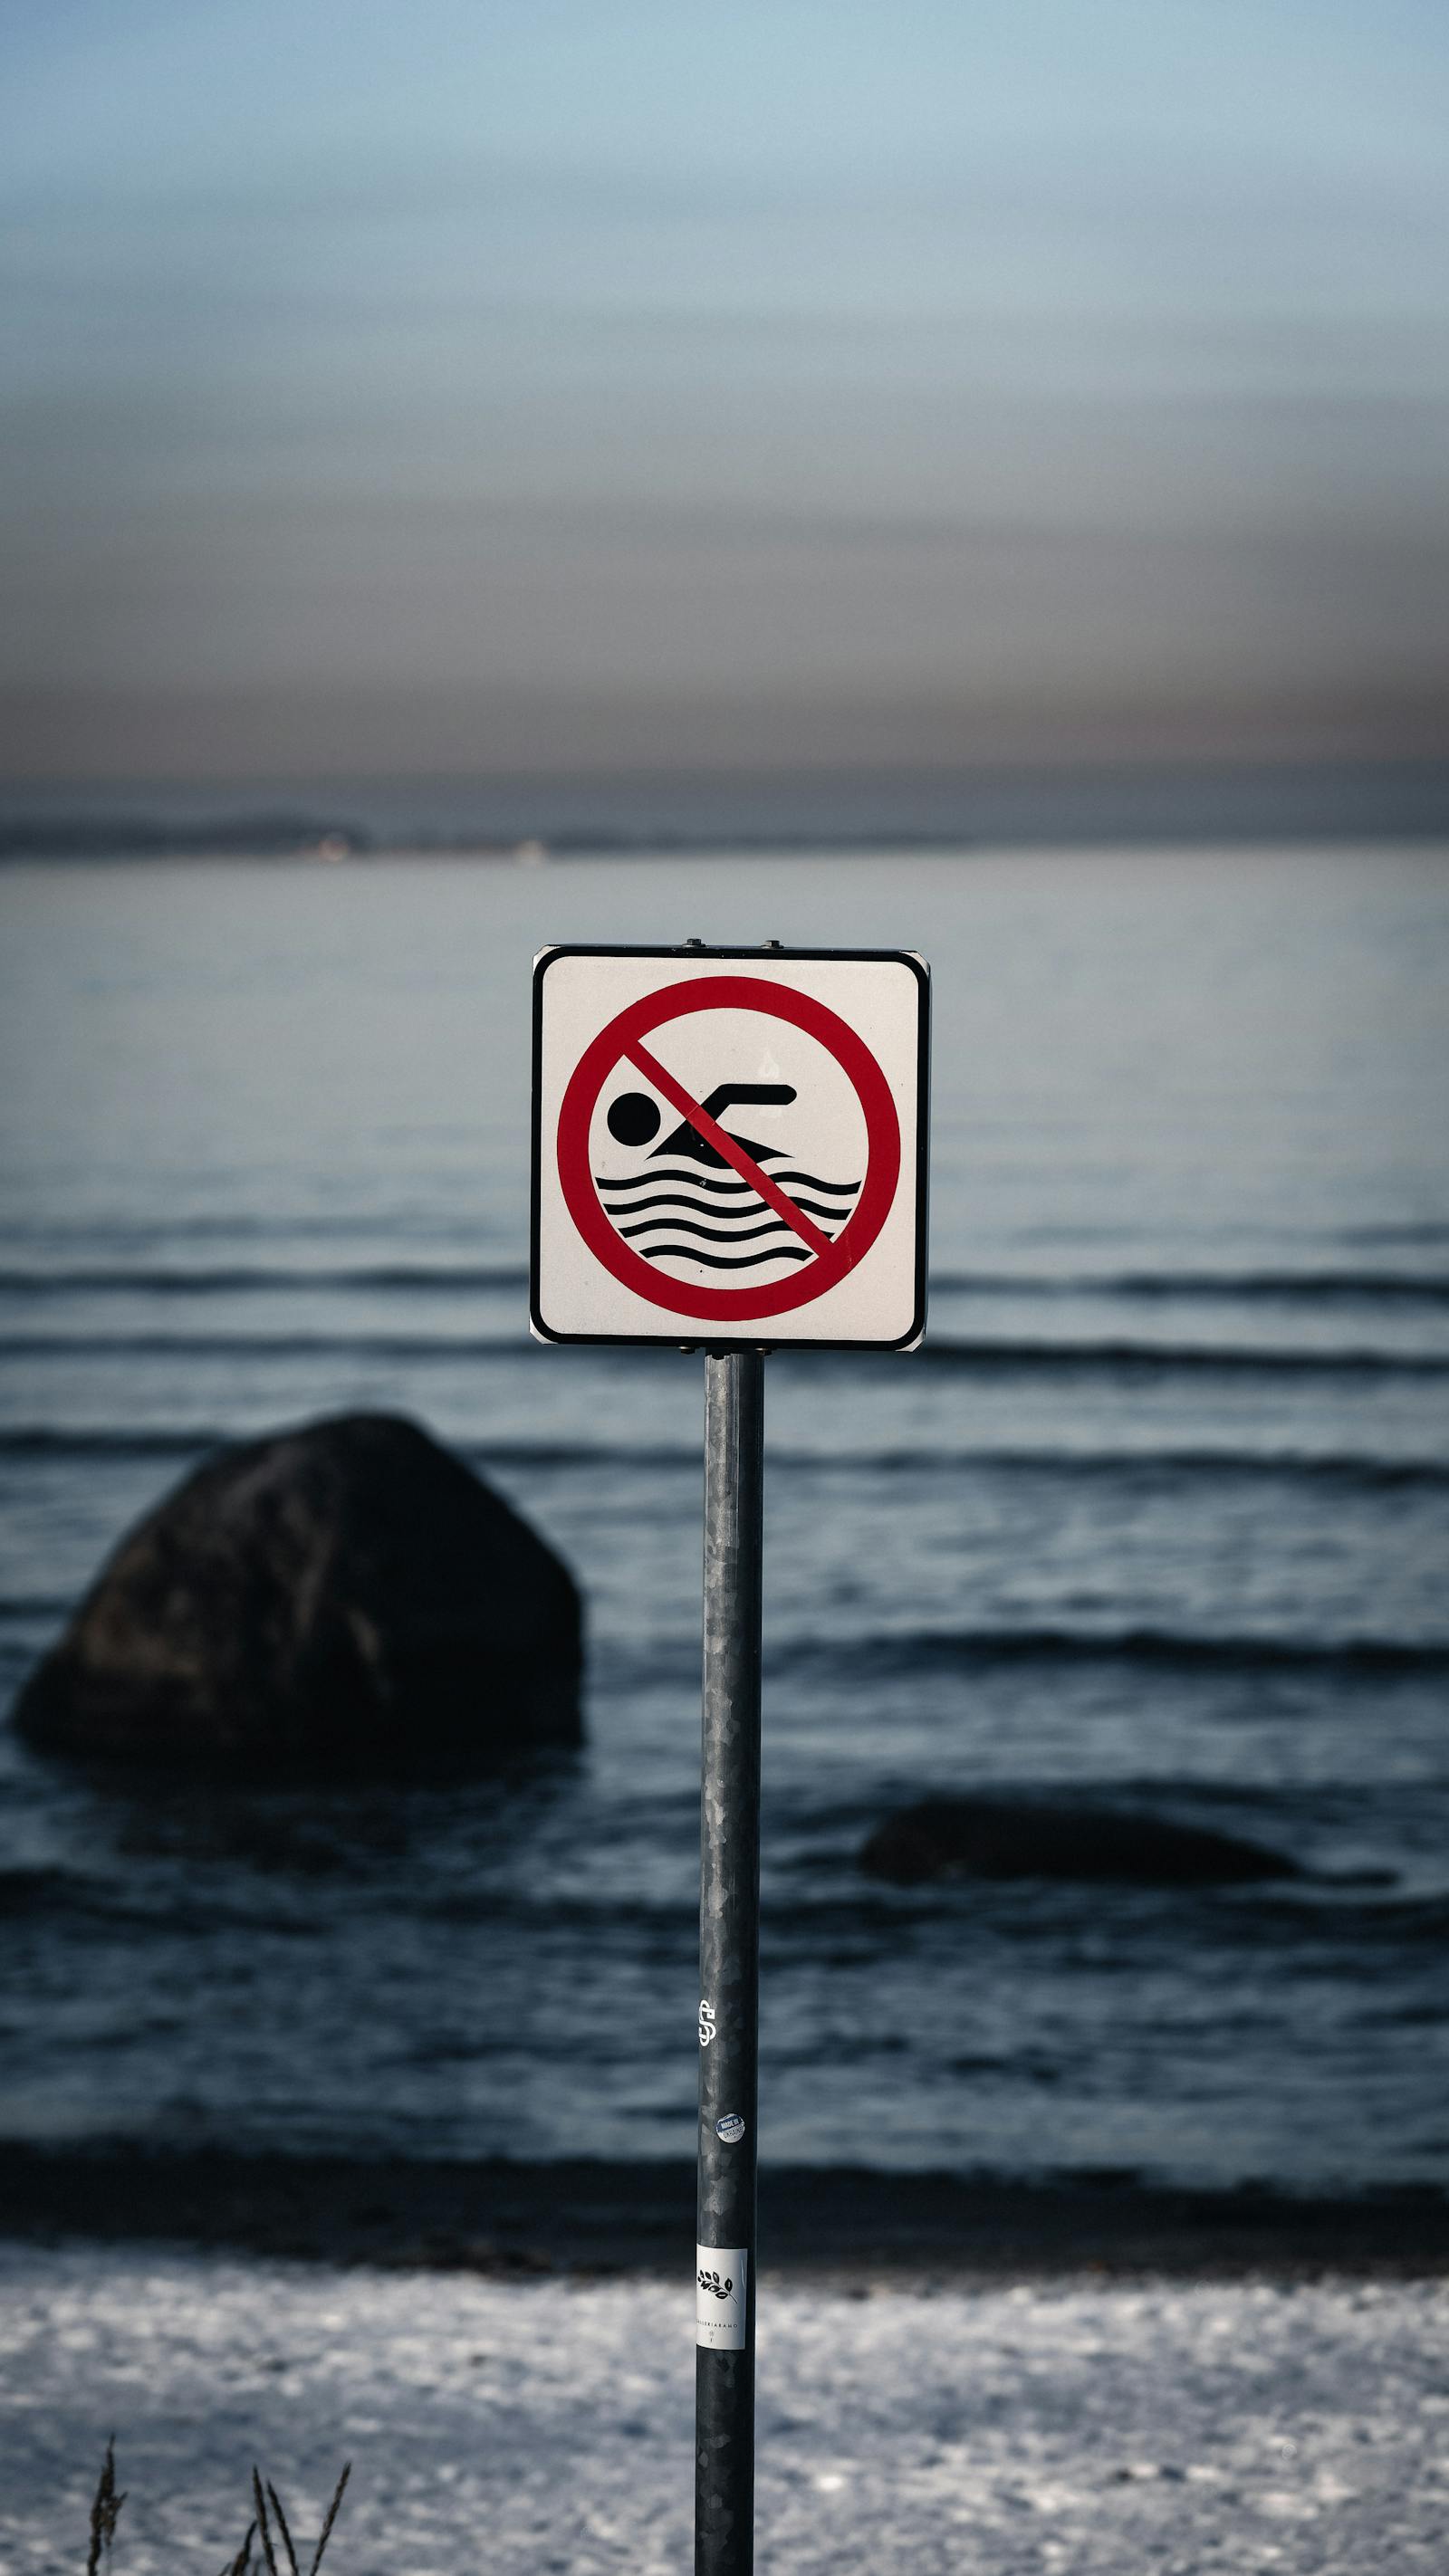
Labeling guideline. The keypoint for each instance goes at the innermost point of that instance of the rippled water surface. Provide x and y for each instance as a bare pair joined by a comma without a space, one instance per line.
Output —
1159,1515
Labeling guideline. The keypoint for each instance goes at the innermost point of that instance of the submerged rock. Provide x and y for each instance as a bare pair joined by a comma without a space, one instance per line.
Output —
341,1599
1017,1838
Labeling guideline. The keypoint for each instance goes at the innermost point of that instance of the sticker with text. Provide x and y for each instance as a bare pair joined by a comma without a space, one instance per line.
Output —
731,2128
719,2297
706,2024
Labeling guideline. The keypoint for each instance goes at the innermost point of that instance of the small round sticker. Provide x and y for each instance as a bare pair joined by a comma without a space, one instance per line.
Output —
731,2128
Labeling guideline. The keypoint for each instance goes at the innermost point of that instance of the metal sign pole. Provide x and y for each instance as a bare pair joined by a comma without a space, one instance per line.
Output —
729,1959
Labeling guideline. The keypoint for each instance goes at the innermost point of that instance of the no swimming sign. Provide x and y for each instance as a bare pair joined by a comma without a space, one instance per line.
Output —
729,1146
729,1149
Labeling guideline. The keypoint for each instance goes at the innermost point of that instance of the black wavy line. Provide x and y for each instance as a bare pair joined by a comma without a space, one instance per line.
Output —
701,1207
718,1260
807,1180
816,1207
711,1234
644,1180
681,1198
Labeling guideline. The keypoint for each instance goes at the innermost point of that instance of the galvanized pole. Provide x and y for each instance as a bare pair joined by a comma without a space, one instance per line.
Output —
729,1961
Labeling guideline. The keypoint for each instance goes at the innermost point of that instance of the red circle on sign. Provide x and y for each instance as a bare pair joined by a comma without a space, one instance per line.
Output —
883,1140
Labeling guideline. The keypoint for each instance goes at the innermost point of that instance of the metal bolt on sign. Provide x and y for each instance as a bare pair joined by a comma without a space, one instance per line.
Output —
650,1216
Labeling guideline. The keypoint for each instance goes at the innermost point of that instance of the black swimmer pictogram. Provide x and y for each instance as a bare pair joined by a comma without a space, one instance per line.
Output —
635,1118
728,1211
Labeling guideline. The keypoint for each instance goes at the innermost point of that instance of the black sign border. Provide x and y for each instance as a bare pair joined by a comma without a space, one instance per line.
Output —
694,953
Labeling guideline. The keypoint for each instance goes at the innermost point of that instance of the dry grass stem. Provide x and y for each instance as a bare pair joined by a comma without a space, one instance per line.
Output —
326,2532
105,2511
243,2559
275,2502
264,2528
107,2506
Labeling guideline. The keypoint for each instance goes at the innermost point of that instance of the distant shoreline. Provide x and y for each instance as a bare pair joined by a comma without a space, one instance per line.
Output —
531,821
597,2218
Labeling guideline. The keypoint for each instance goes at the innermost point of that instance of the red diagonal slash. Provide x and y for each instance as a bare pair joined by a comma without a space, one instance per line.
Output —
735,1155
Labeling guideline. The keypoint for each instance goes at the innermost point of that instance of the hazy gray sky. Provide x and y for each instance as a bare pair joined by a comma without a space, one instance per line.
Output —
568,384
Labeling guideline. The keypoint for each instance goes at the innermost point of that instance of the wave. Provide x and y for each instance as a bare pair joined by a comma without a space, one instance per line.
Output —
945,1351
463,1278
985,1354
948,1649
39,1440
1309,1287
239,1226
1414,1230
120,1441
101,1441
243,1280
263,1346
172,1278
40,1889
1342,1469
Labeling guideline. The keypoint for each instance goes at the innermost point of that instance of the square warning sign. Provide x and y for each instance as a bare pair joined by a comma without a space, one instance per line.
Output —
729,1147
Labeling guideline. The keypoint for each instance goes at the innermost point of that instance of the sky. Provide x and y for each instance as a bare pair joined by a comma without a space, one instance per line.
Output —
575,385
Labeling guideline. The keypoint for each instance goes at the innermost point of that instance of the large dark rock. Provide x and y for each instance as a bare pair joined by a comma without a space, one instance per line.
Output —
1017,1838
341,1599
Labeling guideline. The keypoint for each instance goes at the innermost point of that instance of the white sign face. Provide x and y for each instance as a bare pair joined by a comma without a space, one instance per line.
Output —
729,1147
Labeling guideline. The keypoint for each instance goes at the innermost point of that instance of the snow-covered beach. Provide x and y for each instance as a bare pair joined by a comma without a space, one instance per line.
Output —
531,2428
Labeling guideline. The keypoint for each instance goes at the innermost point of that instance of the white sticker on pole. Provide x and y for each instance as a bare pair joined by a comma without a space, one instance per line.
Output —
719,2297
729,1147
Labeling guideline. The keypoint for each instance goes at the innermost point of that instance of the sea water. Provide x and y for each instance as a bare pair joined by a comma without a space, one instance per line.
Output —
1158,1518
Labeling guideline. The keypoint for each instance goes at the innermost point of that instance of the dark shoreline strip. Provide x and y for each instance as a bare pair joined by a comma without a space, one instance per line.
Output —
597,2216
